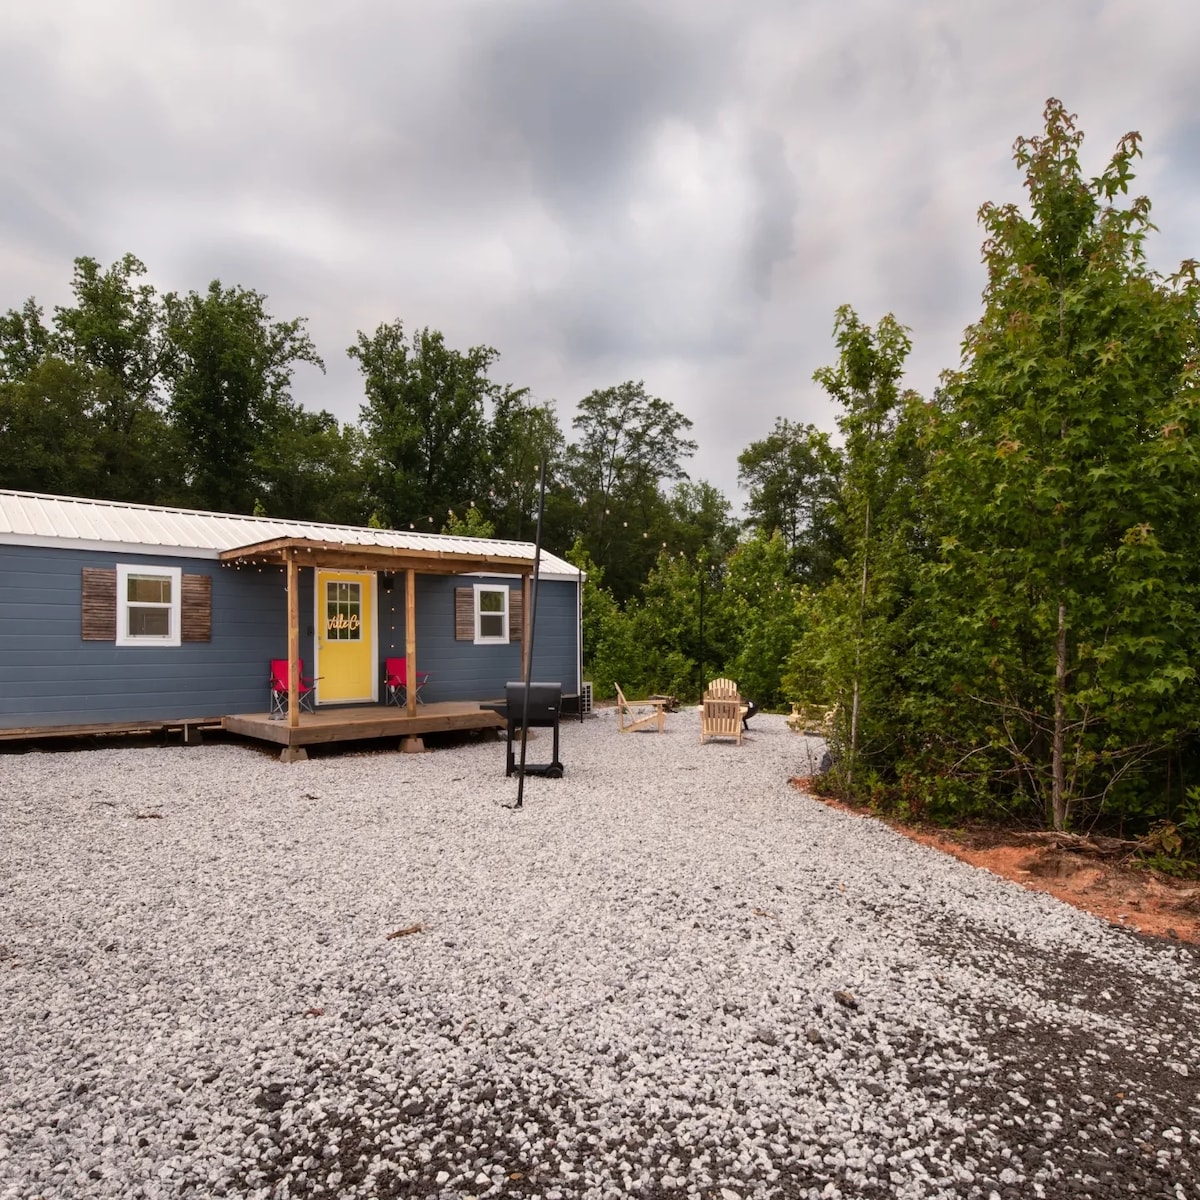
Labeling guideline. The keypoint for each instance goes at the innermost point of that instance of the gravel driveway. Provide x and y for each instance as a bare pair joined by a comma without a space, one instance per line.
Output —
670,975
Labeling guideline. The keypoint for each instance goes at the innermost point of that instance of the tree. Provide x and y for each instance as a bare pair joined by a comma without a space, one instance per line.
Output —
231,404
47,432
792,476
628,444
664,620
521,436
1067,482
610,654
313,469
471,523
700,526
82,399
763,608
115,326
113,336
864,608
47,440
424,421
25,341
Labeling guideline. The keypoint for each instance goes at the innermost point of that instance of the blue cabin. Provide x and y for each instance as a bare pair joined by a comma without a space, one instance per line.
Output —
117,615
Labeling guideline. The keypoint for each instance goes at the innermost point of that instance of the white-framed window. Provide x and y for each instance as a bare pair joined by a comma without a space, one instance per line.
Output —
491,613
148,605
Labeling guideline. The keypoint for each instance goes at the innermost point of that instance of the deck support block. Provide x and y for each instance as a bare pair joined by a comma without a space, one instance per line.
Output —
292,754
412,745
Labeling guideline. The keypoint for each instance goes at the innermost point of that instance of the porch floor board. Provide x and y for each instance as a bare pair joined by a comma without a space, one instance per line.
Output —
365,721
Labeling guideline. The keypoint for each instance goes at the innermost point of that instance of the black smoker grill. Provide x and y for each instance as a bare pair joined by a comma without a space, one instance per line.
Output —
545,707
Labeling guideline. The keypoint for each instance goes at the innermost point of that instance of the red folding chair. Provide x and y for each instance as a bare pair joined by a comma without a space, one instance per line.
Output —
279,688
395,681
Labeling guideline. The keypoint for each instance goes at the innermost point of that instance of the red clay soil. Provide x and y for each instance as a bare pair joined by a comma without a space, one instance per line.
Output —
1082,872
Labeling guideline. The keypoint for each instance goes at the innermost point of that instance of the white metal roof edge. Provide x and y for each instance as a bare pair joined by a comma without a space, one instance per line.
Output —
259,529
144,549
569,572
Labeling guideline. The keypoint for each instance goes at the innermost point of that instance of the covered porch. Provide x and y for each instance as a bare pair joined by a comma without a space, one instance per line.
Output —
371,720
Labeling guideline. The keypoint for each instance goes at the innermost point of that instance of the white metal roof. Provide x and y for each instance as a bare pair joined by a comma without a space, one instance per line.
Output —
71,522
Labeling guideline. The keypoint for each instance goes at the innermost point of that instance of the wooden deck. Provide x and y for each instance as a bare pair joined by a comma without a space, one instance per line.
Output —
365,721
188,727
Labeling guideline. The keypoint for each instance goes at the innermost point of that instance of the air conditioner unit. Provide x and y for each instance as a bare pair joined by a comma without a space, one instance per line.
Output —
585,700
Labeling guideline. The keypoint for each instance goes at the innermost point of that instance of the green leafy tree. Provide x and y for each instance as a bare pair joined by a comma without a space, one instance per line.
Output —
863,612
1066,486
115,326
521,436
471,523
665,621
610,653
424,421
311,469
793,477
25,341
169,400
628,445
82,399
700,525
113,336
231,406
47,439
763,607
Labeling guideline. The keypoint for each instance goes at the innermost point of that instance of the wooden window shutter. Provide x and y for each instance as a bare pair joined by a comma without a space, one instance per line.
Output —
98,614
516,615
196,606
464,614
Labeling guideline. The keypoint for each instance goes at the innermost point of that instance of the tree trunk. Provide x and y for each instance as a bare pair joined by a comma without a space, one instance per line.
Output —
862,606
853,734
1058,754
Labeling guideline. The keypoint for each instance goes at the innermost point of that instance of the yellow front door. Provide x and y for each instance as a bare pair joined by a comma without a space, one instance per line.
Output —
345,637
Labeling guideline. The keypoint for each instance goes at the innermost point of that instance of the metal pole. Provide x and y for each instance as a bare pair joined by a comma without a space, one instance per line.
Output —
702,631
579,627
537,563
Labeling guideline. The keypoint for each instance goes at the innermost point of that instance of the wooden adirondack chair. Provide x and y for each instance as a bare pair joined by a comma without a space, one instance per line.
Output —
628,720
721,711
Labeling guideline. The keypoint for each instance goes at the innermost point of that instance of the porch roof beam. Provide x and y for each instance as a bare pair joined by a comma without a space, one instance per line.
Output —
352,557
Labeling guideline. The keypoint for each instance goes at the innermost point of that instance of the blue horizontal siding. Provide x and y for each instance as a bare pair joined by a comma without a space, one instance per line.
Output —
461,670
50,676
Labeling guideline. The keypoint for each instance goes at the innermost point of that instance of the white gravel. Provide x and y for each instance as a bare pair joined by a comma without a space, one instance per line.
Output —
671,974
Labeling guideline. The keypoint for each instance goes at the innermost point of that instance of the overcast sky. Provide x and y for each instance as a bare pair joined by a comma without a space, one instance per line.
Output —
677,192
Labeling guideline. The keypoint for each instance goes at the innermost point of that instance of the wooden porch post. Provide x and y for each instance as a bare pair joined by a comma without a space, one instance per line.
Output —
410,640
293,639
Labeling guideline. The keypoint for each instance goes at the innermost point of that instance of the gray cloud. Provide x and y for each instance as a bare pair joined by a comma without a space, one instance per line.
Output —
679,192
580,89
